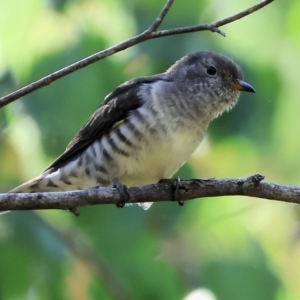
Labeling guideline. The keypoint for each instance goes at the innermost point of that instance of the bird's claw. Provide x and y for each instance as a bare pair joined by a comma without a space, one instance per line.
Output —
175,194
175,182
123,190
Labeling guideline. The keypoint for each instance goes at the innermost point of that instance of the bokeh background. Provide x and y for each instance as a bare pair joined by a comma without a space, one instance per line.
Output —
216,248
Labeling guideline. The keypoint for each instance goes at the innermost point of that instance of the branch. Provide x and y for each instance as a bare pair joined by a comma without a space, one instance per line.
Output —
161,16
214,26
148,34
187,190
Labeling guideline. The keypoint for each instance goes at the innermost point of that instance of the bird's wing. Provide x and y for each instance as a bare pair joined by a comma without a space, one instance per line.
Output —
115,108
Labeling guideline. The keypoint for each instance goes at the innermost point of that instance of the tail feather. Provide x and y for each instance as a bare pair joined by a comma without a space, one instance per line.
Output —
57,181
26,187
47,182
31,186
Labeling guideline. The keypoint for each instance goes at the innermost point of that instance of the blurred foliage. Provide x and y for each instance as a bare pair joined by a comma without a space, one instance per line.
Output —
238,248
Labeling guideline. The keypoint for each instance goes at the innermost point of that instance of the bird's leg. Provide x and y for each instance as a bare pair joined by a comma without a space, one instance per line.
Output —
176,197
175,182
123,190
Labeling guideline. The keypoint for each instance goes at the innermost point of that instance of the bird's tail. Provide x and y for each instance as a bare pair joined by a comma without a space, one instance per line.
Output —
41,183
48,181
32,186
26,187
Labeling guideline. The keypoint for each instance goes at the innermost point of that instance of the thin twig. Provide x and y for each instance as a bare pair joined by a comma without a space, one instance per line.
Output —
161,16
214,26
148,34
187,190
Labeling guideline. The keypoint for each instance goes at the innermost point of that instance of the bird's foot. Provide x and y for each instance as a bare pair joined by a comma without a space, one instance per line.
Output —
123,190
176,183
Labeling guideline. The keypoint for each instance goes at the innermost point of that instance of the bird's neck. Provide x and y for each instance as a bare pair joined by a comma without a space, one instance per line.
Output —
184,106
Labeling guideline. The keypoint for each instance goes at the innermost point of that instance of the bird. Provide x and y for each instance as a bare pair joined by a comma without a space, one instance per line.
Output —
147,128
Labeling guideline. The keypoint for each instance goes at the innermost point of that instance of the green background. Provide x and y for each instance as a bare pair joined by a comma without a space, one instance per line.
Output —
223,248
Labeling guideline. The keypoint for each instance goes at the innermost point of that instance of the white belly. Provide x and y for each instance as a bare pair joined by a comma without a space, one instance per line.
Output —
160,159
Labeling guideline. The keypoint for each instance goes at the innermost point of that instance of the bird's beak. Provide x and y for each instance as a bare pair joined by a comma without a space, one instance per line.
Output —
243,86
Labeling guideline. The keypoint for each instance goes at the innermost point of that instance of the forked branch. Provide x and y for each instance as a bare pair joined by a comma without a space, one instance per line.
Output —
150,33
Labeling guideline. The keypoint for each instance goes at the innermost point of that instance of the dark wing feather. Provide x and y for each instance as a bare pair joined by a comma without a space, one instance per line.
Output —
116,107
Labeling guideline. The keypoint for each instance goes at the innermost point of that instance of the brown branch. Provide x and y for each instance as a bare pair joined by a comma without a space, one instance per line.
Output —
214,26
161,16
148,34
187,190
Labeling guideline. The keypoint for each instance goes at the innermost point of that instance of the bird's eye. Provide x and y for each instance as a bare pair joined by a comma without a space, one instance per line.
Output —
211,70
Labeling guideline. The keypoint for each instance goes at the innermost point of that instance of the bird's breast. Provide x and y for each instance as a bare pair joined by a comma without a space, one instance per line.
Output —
158,150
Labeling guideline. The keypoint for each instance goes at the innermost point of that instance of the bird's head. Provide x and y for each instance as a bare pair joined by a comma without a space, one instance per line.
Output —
212,77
